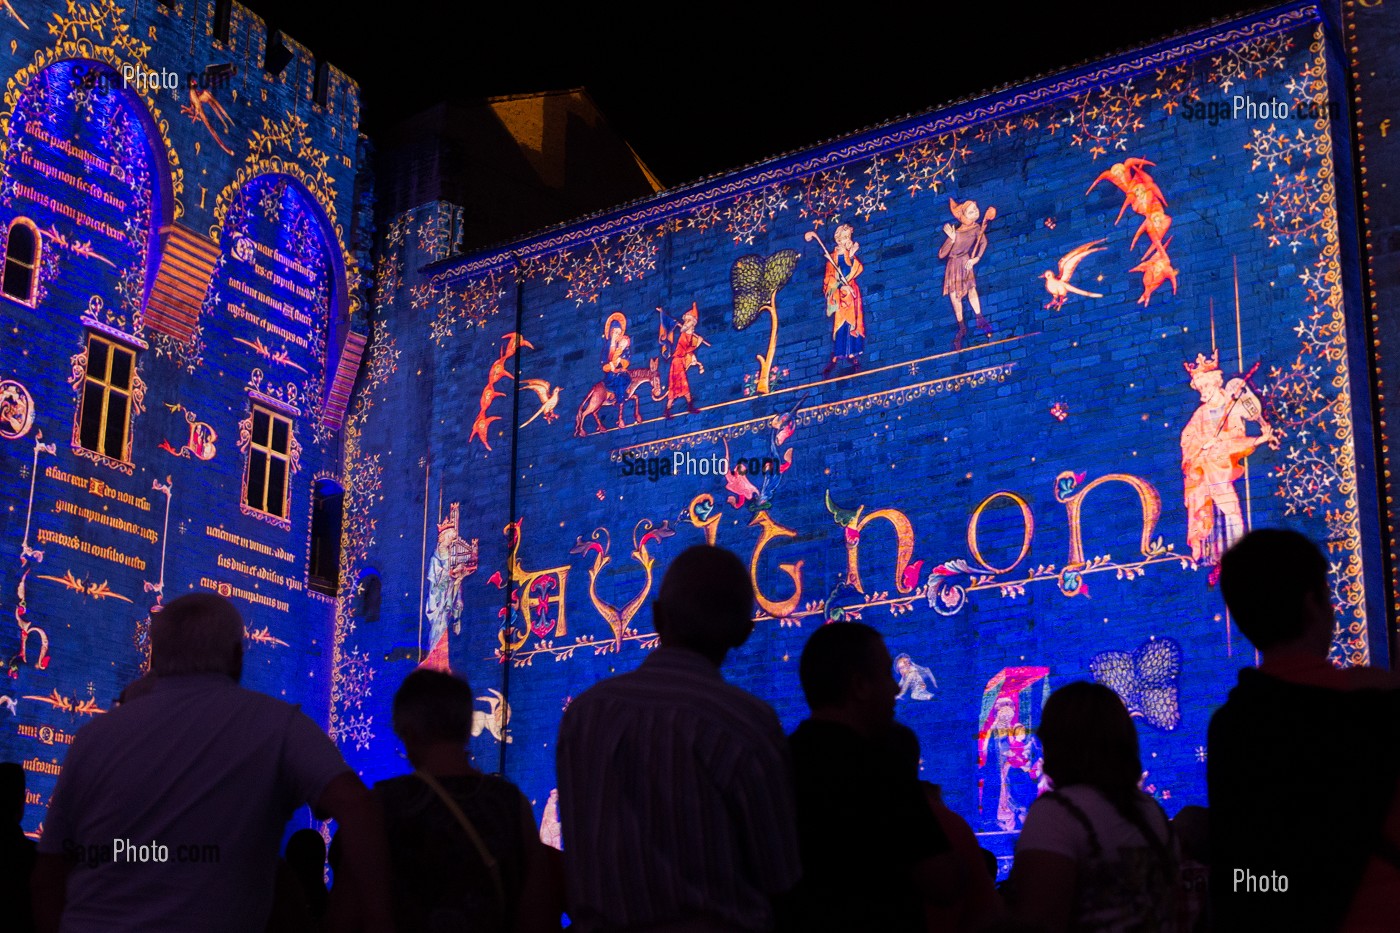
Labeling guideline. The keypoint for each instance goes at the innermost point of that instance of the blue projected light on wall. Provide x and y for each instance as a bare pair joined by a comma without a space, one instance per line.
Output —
1012,380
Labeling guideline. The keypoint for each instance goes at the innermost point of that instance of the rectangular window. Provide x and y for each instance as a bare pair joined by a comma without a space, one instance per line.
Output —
104,414
269,456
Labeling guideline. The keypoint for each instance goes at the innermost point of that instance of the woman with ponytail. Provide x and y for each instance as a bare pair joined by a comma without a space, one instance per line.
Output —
1096,853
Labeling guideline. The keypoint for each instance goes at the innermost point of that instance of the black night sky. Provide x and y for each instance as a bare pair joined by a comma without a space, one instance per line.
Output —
699,89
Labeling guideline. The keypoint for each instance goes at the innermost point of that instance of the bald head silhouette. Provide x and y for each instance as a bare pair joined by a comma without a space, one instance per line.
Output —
705,603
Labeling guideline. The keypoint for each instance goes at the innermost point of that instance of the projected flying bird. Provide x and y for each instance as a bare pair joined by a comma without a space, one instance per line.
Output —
548,399
1057,283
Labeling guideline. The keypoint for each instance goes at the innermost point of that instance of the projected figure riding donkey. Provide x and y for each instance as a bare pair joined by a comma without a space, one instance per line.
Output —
620,381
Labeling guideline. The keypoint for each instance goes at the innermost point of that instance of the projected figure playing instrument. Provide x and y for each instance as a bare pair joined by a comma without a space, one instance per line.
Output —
1214,444
679,341
961,252
200,98
843,300
453,560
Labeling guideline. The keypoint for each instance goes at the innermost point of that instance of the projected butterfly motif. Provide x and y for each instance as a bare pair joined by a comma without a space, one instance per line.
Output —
1146,680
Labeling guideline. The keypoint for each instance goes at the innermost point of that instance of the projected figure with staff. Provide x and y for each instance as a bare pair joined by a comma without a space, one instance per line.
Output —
963,249
1214,444
843,301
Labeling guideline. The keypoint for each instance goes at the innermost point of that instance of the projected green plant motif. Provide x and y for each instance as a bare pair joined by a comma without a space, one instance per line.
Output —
757,282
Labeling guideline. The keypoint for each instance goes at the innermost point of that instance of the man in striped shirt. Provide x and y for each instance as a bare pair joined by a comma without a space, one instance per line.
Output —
675,789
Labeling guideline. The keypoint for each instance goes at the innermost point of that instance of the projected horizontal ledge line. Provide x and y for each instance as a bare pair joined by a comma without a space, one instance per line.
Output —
817,413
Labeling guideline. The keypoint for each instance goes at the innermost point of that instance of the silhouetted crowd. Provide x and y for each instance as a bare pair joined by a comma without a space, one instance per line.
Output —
685,809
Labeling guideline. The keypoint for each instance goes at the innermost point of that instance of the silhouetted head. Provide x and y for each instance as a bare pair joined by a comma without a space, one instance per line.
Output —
902,743
199,633
433,708
136,689
12,791
845,674
306,854
1192,826
1275,583
1089,738
705,603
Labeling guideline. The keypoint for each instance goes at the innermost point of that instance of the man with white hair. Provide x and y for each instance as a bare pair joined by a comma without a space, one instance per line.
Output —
169,811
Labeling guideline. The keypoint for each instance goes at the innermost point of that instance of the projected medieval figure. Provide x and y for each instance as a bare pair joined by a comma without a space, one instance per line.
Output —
915,680
550,832
489,394
620,381
843,300
963,249
679,341
1214,444
1006,738
453,560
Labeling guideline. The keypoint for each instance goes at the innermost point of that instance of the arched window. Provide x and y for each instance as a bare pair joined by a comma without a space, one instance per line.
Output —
21,276
327,516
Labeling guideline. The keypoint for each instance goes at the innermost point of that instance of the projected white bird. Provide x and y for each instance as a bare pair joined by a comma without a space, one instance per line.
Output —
549,398
1057,283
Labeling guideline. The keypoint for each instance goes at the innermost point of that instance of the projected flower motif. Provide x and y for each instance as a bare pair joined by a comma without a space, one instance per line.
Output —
1273,147
548,267
473,305
1102,120
636,252
587,275
353,677
1246,60
435,232
704,218
1290,212
421,295
1308,398
747,215
388,279
270,203
1059,411
186,354
383,359
930,165
1145,680
825,195
397,231
481,299
357,731
871,199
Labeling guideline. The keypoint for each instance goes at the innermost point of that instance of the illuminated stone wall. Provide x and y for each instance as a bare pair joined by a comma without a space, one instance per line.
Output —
1045,503
191,296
